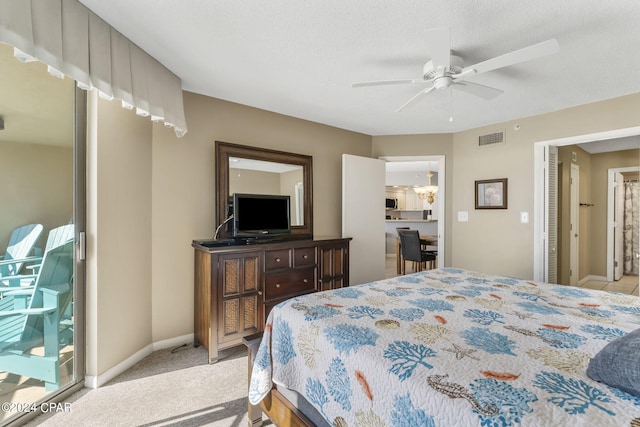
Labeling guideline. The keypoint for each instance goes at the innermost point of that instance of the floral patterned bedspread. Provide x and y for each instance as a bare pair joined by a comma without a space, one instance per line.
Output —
449,347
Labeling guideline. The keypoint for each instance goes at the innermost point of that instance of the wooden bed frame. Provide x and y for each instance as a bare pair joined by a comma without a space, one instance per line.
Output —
278,408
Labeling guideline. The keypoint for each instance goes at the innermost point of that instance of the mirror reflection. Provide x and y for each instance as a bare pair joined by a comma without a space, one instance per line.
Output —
262,177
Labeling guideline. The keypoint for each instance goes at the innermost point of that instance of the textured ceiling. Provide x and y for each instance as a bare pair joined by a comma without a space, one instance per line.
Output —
299,58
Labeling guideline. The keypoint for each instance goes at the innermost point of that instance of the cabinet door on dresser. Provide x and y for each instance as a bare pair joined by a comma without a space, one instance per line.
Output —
240,295
333,265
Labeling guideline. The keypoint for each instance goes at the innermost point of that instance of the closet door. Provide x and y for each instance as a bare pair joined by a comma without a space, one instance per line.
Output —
551,214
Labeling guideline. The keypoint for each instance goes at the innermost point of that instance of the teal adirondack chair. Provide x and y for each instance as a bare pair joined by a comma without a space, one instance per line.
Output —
31,318
20,247
56,237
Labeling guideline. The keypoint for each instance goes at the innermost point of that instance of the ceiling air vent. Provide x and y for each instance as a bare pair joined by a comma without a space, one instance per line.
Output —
491,139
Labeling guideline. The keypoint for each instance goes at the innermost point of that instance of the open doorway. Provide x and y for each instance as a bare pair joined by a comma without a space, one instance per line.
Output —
596,154
623,255
407,177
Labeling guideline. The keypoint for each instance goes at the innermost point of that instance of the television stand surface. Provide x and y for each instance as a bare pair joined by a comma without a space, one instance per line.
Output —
251,241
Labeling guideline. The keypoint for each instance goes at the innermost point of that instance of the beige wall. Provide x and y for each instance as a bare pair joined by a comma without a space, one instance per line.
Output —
173,184
256,182
118,293
37,187
184,189
496,241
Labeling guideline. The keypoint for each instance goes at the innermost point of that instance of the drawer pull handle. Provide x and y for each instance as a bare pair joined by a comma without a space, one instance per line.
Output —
259,292
277,259
305,281
277,285
305,256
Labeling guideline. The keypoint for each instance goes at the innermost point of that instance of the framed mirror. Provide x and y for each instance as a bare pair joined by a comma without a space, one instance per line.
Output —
245,169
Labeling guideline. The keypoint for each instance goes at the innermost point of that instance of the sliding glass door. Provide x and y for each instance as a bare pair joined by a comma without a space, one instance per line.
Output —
41,274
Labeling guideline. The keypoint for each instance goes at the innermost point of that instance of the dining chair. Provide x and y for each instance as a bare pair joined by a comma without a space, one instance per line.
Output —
412,250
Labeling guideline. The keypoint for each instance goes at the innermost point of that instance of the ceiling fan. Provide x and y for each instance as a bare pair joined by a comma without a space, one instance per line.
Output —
445,69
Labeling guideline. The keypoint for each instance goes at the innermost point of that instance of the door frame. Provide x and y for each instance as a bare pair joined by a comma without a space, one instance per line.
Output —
611,217
79,214
441,195
539,148
551,173
80,221
574,225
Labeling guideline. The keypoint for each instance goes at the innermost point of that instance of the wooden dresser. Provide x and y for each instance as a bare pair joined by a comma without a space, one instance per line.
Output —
237,285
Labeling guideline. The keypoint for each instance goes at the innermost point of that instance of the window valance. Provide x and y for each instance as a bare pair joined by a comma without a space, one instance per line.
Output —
73,41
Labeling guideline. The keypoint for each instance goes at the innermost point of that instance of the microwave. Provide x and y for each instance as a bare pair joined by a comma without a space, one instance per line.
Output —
391,203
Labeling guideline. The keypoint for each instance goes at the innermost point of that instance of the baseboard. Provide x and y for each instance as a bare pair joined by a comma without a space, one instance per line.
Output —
593,278
93,381
173,342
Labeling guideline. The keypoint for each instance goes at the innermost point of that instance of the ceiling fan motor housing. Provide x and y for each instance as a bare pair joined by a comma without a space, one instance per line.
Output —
430,72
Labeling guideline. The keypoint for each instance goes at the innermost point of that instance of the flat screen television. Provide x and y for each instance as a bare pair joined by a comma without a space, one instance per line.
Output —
256,215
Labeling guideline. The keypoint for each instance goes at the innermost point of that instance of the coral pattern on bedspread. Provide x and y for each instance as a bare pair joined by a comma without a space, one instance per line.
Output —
449,347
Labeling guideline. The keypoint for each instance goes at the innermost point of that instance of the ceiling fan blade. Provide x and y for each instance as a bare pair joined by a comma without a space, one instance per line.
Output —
476,89
521,55
439,47
415,99
388,82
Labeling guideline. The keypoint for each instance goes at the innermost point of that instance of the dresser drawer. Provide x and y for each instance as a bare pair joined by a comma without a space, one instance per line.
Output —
274,260
289,283
304,257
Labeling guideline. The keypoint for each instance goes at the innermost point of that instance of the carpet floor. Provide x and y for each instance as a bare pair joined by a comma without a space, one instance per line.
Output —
173,387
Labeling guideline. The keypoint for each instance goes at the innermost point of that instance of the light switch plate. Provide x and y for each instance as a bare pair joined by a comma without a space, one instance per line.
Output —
524,217
463,216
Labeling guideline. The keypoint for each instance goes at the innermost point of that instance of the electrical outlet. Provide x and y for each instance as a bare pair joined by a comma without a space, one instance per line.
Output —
463,216
524,217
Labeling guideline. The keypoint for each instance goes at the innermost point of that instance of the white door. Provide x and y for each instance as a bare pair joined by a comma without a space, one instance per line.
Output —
551,213
618,225
574,239
363,216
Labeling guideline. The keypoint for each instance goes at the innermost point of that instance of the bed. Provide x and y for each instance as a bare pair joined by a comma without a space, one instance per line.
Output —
445,347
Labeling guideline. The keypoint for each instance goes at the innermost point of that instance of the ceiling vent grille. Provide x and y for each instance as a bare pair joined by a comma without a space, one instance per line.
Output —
491,139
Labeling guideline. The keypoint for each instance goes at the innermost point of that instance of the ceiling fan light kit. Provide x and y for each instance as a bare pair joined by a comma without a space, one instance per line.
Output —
446,70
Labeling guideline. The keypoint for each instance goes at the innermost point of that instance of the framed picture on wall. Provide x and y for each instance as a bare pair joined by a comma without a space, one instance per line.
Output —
491,194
